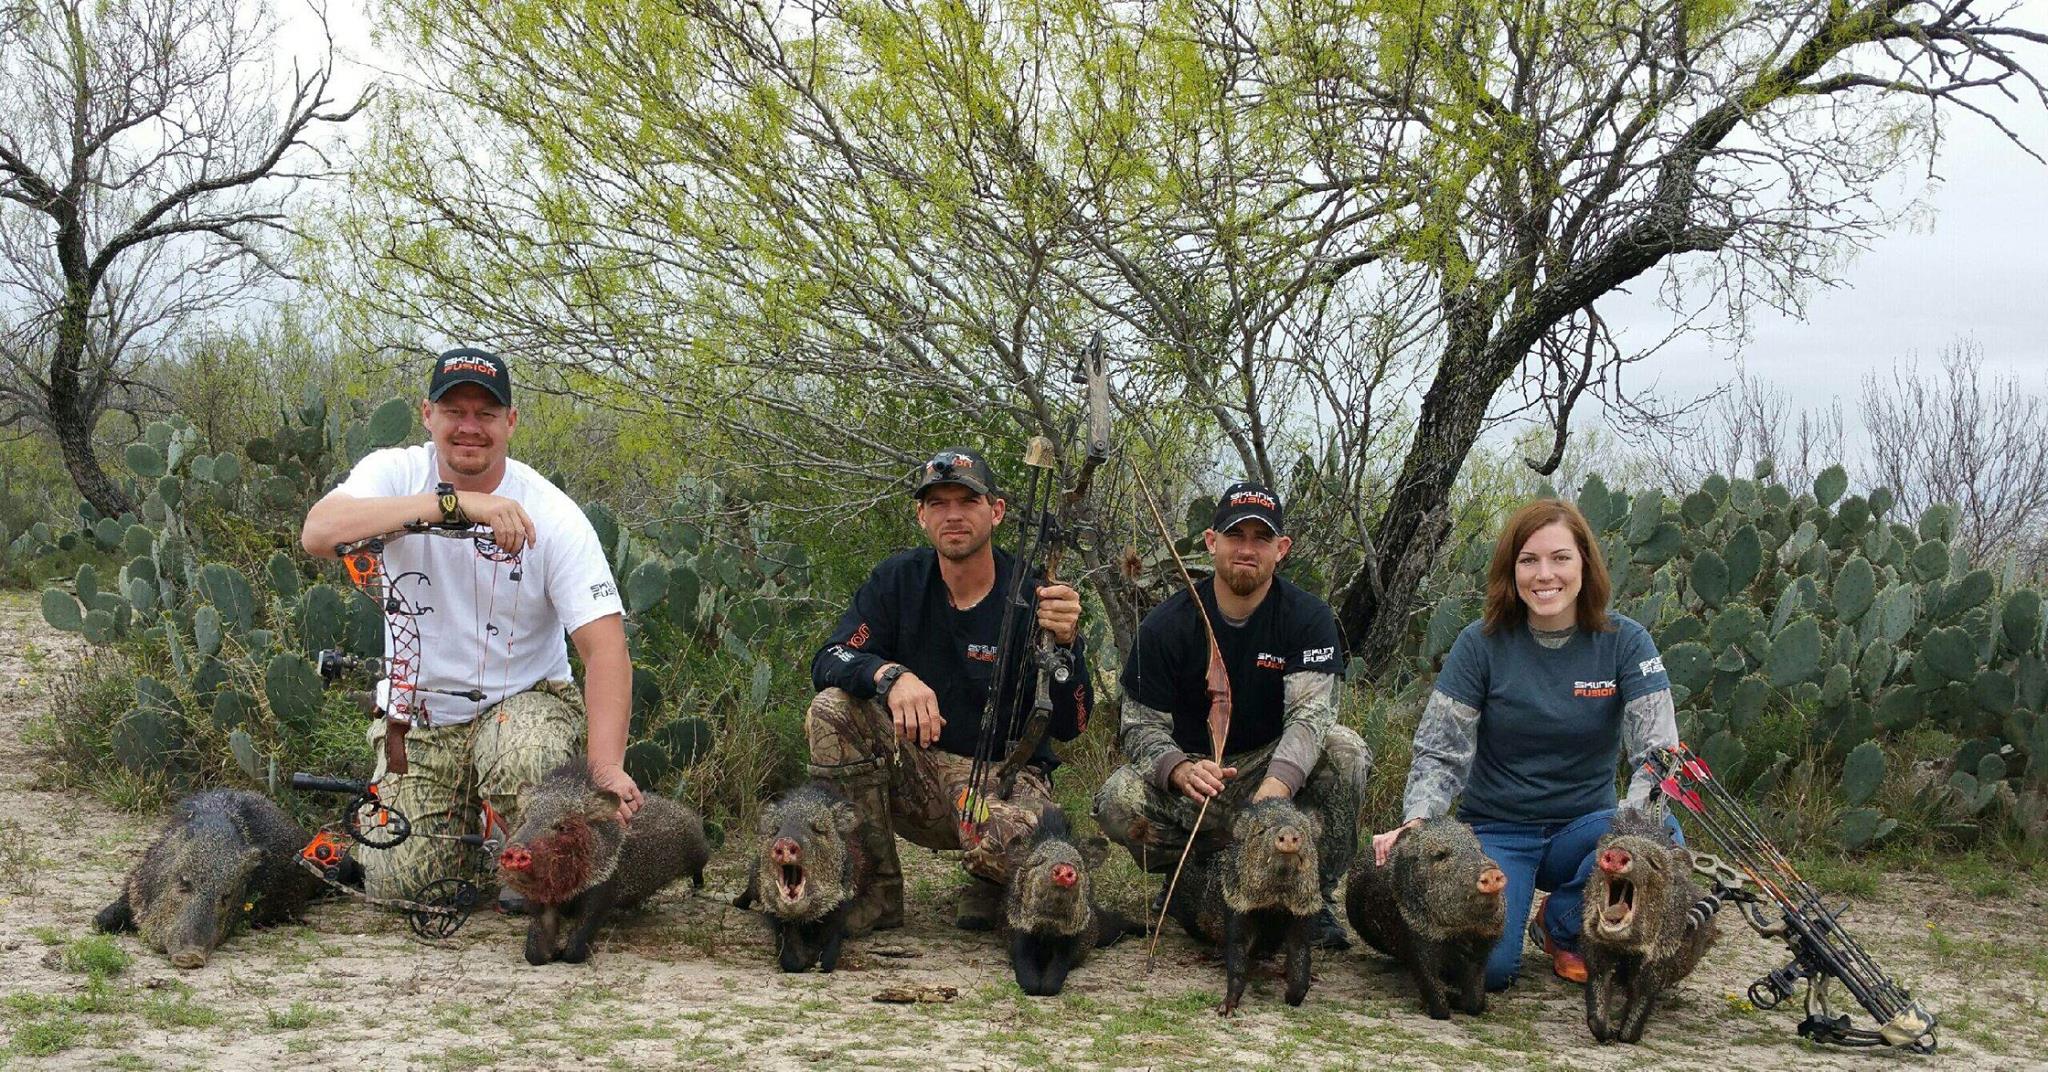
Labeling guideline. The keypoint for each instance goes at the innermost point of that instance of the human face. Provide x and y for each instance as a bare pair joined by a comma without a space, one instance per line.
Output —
958,522
1547,572
1246,555
470,429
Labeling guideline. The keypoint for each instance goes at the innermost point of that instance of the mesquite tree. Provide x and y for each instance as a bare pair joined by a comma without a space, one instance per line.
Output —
145,160
839,234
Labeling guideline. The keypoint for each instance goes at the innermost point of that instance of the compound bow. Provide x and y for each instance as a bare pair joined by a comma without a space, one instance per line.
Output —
1043,535
1822,950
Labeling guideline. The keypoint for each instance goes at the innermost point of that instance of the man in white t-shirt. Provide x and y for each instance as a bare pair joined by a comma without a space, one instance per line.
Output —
494,626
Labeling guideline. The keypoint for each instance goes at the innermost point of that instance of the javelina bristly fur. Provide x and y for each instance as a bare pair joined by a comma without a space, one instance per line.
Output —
1637,939
806,870
1255,895
1436,907
1049,912
225,856
571,858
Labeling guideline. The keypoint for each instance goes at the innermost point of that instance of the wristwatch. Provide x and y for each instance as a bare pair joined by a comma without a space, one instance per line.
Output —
888,680
451,507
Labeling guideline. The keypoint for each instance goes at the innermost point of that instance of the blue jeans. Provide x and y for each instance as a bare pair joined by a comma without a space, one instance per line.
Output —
1554,857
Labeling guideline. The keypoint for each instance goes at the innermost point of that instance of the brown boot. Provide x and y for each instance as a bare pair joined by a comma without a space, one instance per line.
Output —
879,905
978,904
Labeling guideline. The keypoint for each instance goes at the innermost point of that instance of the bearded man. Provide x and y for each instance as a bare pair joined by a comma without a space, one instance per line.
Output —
1281,649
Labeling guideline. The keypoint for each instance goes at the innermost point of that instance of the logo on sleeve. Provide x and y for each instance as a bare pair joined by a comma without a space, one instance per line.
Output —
1594,689
1651,666
1269,661
604,590
982,653
860,636
1318,655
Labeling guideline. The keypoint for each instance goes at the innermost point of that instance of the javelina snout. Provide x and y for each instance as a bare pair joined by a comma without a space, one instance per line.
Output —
805,873
1065,875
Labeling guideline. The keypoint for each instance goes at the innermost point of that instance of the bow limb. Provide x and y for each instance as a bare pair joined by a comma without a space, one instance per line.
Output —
1216,682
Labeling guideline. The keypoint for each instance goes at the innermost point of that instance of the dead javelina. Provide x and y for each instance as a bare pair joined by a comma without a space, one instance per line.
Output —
1255,895
572,858
225,856
1437,908
1049,912
1637,937
805,872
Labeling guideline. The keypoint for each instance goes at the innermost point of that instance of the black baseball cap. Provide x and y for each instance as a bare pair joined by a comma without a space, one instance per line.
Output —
955,465
1245,500
467,364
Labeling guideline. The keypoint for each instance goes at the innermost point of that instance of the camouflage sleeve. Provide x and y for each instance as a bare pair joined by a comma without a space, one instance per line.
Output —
1445,741
1648,724
1311,704
1145,735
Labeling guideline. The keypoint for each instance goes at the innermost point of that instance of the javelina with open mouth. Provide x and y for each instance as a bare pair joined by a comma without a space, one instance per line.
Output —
571,858
226,857
1257,894
804,874
1638,938
1437,908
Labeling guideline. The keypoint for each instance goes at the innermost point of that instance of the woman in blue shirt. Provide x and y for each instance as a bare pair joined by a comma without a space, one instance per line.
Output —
1536,705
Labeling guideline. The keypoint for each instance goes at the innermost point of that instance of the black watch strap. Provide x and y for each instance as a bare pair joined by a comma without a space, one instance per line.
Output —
888,680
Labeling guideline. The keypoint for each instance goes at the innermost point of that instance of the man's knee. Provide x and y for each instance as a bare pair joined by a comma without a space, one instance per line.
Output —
835,727
1120,806
1346,758
525,737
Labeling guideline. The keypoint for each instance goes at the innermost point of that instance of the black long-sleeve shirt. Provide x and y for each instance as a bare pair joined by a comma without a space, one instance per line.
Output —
901,614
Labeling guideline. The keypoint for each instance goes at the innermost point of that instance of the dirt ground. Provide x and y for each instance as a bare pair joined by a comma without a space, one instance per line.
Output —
689,982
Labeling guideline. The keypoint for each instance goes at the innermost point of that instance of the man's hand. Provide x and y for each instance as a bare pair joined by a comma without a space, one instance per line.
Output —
1200,779
510,528
1059,612
618,781
1383,843
1270,788
914,708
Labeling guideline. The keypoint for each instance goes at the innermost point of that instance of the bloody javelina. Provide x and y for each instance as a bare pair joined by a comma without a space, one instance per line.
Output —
225,856
805,872
1255,895
1436,907
572,858
1638,939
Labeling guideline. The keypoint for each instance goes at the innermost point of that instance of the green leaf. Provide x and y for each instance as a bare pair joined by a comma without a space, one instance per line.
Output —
1862,773
144,460
1795,653
62,611
1863,827
1968,593
686,740
1445,623
1644,517
760,692
2020,621
1710,578
1855,589
206,630
1724,755
682,595
1690,664
646,586
283,574
1930,561
293,688
1830,484
232,708
1745,555
244,748
391,424
1950,654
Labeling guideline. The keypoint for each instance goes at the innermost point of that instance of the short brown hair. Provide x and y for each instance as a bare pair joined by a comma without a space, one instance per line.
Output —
1504,604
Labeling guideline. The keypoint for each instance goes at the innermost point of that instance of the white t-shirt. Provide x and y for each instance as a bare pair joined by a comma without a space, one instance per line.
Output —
485,630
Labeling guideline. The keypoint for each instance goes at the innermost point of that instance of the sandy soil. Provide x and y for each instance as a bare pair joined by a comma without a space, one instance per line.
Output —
689,982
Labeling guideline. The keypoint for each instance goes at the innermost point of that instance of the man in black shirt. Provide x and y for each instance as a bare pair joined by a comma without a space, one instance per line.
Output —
904,682
1280,646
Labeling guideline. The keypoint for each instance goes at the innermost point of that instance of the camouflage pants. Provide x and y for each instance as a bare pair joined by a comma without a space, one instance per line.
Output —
452,770
1154,824
850,737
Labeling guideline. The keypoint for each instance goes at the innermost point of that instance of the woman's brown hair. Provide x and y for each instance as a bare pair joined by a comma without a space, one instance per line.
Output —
1504,604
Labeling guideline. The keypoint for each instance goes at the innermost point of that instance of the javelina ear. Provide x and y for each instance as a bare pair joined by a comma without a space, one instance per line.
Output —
766,824
1095,852
601,804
